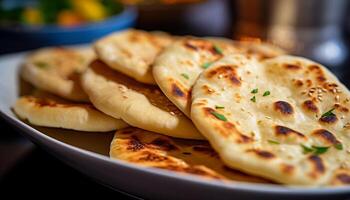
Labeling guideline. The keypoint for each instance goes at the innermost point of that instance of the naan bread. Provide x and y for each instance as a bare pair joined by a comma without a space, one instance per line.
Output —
51,112
275,118
185,156
132,52
258,49
140,105
57,70
178,66
252,48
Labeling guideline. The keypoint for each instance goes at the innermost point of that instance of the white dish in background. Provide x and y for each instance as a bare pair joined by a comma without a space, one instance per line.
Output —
87,152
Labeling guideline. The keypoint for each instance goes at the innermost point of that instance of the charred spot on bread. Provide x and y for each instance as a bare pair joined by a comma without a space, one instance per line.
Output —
291,66
310,106
135,144
262,153
164,144
284,108
325,136
343,178
317,166
226,72
285,131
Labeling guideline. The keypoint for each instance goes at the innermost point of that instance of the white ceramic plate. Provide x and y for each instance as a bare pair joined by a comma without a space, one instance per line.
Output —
87,152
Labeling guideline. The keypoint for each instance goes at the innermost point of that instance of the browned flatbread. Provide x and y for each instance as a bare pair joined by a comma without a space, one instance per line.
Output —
43,109
177,68
185,156
139,104
285,118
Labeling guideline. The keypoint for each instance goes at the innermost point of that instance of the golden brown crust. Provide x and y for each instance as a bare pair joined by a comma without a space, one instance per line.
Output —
183,156
139,104
57,70
49,112
287,120
132,52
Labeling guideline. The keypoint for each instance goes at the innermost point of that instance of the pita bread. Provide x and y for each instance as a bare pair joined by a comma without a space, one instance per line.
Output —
285,118
185,156
140,105
51,112
132,52
178,66
57,70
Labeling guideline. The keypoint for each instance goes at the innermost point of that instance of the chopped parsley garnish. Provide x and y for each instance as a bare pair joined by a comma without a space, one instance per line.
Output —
254,91
306,149
273,142
253,99
219,116
328,113
316,150
319,150
266,93
219,107
41,64
218,50
338,146
185,76
206,65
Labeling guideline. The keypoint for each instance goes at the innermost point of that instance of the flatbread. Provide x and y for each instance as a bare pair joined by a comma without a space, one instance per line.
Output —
51,112
178,66
270,118
252,48
57,70
149,149
132,52
140,105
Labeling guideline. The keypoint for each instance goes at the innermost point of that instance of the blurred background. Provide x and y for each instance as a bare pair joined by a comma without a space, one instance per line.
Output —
316,29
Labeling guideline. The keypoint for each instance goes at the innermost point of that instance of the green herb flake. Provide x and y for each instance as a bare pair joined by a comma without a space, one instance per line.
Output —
219,116
253,99
273,142
41,65
254,91
338,146
328,113
266,93
185,76
219,107
206,65
218,49
319,150
306,149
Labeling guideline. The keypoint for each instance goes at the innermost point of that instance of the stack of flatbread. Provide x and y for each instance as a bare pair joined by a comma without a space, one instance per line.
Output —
212,107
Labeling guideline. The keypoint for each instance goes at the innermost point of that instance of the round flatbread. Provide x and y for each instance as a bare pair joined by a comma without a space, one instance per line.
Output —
150,149
52,113
178,66
285,118
132,52
57,70
252,48
140,105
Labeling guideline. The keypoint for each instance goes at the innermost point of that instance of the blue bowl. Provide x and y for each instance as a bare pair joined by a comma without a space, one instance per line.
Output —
25,37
